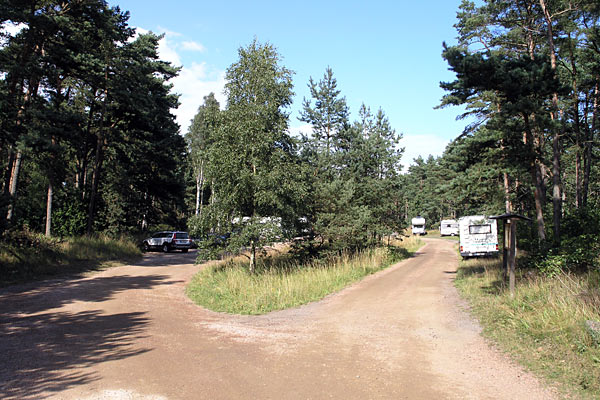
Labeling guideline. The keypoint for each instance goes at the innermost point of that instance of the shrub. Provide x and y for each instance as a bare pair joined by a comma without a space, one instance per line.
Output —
579,249
69,220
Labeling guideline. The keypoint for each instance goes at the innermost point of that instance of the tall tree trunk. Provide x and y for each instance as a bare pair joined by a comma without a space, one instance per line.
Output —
556,180
538,180
99,158
577,127
507,202
8,171
16,168
95,181
506,178
200,189
12,191
252,256
49,210
81,178
587,154
197,194
556,188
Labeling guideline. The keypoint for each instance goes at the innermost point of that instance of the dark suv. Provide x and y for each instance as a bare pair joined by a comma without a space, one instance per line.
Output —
168,240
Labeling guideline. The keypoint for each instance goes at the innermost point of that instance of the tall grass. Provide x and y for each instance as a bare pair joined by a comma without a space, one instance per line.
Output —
281,283
31,256
100,248
544,324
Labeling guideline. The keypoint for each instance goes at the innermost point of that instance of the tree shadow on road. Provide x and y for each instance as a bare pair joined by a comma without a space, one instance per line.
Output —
46,295
44,349
44,353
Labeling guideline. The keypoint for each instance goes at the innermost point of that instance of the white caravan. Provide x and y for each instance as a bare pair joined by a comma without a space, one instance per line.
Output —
418,226
478,236
448,227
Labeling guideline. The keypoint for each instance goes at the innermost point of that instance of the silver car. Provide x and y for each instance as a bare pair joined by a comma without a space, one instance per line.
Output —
168,241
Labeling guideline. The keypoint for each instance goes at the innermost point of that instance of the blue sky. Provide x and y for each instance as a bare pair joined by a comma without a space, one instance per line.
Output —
386,54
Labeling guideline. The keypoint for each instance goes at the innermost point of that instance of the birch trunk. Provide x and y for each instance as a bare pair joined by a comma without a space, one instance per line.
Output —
12,190
252,257
49,210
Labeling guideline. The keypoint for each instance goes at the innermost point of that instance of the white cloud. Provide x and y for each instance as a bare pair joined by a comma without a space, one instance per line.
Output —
193,83
168,52
423,145
298,130
10,29
192,46
195,79
169,32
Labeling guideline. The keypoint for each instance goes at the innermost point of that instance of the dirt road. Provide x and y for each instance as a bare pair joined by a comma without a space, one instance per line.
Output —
131,333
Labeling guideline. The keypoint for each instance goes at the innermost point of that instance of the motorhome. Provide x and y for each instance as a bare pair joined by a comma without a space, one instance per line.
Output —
418,226
478,236
448,227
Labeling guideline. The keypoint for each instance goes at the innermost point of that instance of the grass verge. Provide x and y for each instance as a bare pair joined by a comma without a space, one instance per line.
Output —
29,257
281,283
544,325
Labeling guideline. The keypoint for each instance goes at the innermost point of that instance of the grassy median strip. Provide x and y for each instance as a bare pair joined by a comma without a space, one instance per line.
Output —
544,326
281,283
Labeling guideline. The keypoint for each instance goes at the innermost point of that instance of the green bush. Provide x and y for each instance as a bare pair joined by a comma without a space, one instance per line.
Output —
69,220
578,253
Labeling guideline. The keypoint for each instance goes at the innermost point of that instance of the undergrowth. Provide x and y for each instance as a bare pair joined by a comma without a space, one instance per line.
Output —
26,256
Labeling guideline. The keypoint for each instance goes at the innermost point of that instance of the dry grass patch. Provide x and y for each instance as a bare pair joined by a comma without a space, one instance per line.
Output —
280,282
544,324
28,256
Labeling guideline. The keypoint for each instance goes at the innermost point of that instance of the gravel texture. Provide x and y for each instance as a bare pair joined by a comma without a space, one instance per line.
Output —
131,333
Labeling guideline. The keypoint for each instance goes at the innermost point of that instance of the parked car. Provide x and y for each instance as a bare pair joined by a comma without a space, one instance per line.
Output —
168,241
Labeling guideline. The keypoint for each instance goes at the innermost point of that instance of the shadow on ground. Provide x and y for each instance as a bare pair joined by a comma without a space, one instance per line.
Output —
37,297
42,348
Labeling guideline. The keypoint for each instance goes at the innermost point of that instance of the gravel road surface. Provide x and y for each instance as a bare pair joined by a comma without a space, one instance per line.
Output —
131,333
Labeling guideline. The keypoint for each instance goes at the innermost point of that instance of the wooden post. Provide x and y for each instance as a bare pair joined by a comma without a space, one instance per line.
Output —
505,246
512,253
509,250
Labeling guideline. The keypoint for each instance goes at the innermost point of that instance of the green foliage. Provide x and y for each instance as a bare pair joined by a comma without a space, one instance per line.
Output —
200,137
69,220
88,111
355,173
527,75
579,253
328,117
250,157
23,253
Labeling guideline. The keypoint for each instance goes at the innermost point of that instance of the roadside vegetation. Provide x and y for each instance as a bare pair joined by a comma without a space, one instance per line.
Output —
545,325
26,256
280,282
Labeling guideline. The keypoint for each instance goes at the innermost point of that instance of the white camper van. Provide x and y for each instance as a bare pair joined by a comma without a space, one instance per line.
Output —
418,226
478,236
448,227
